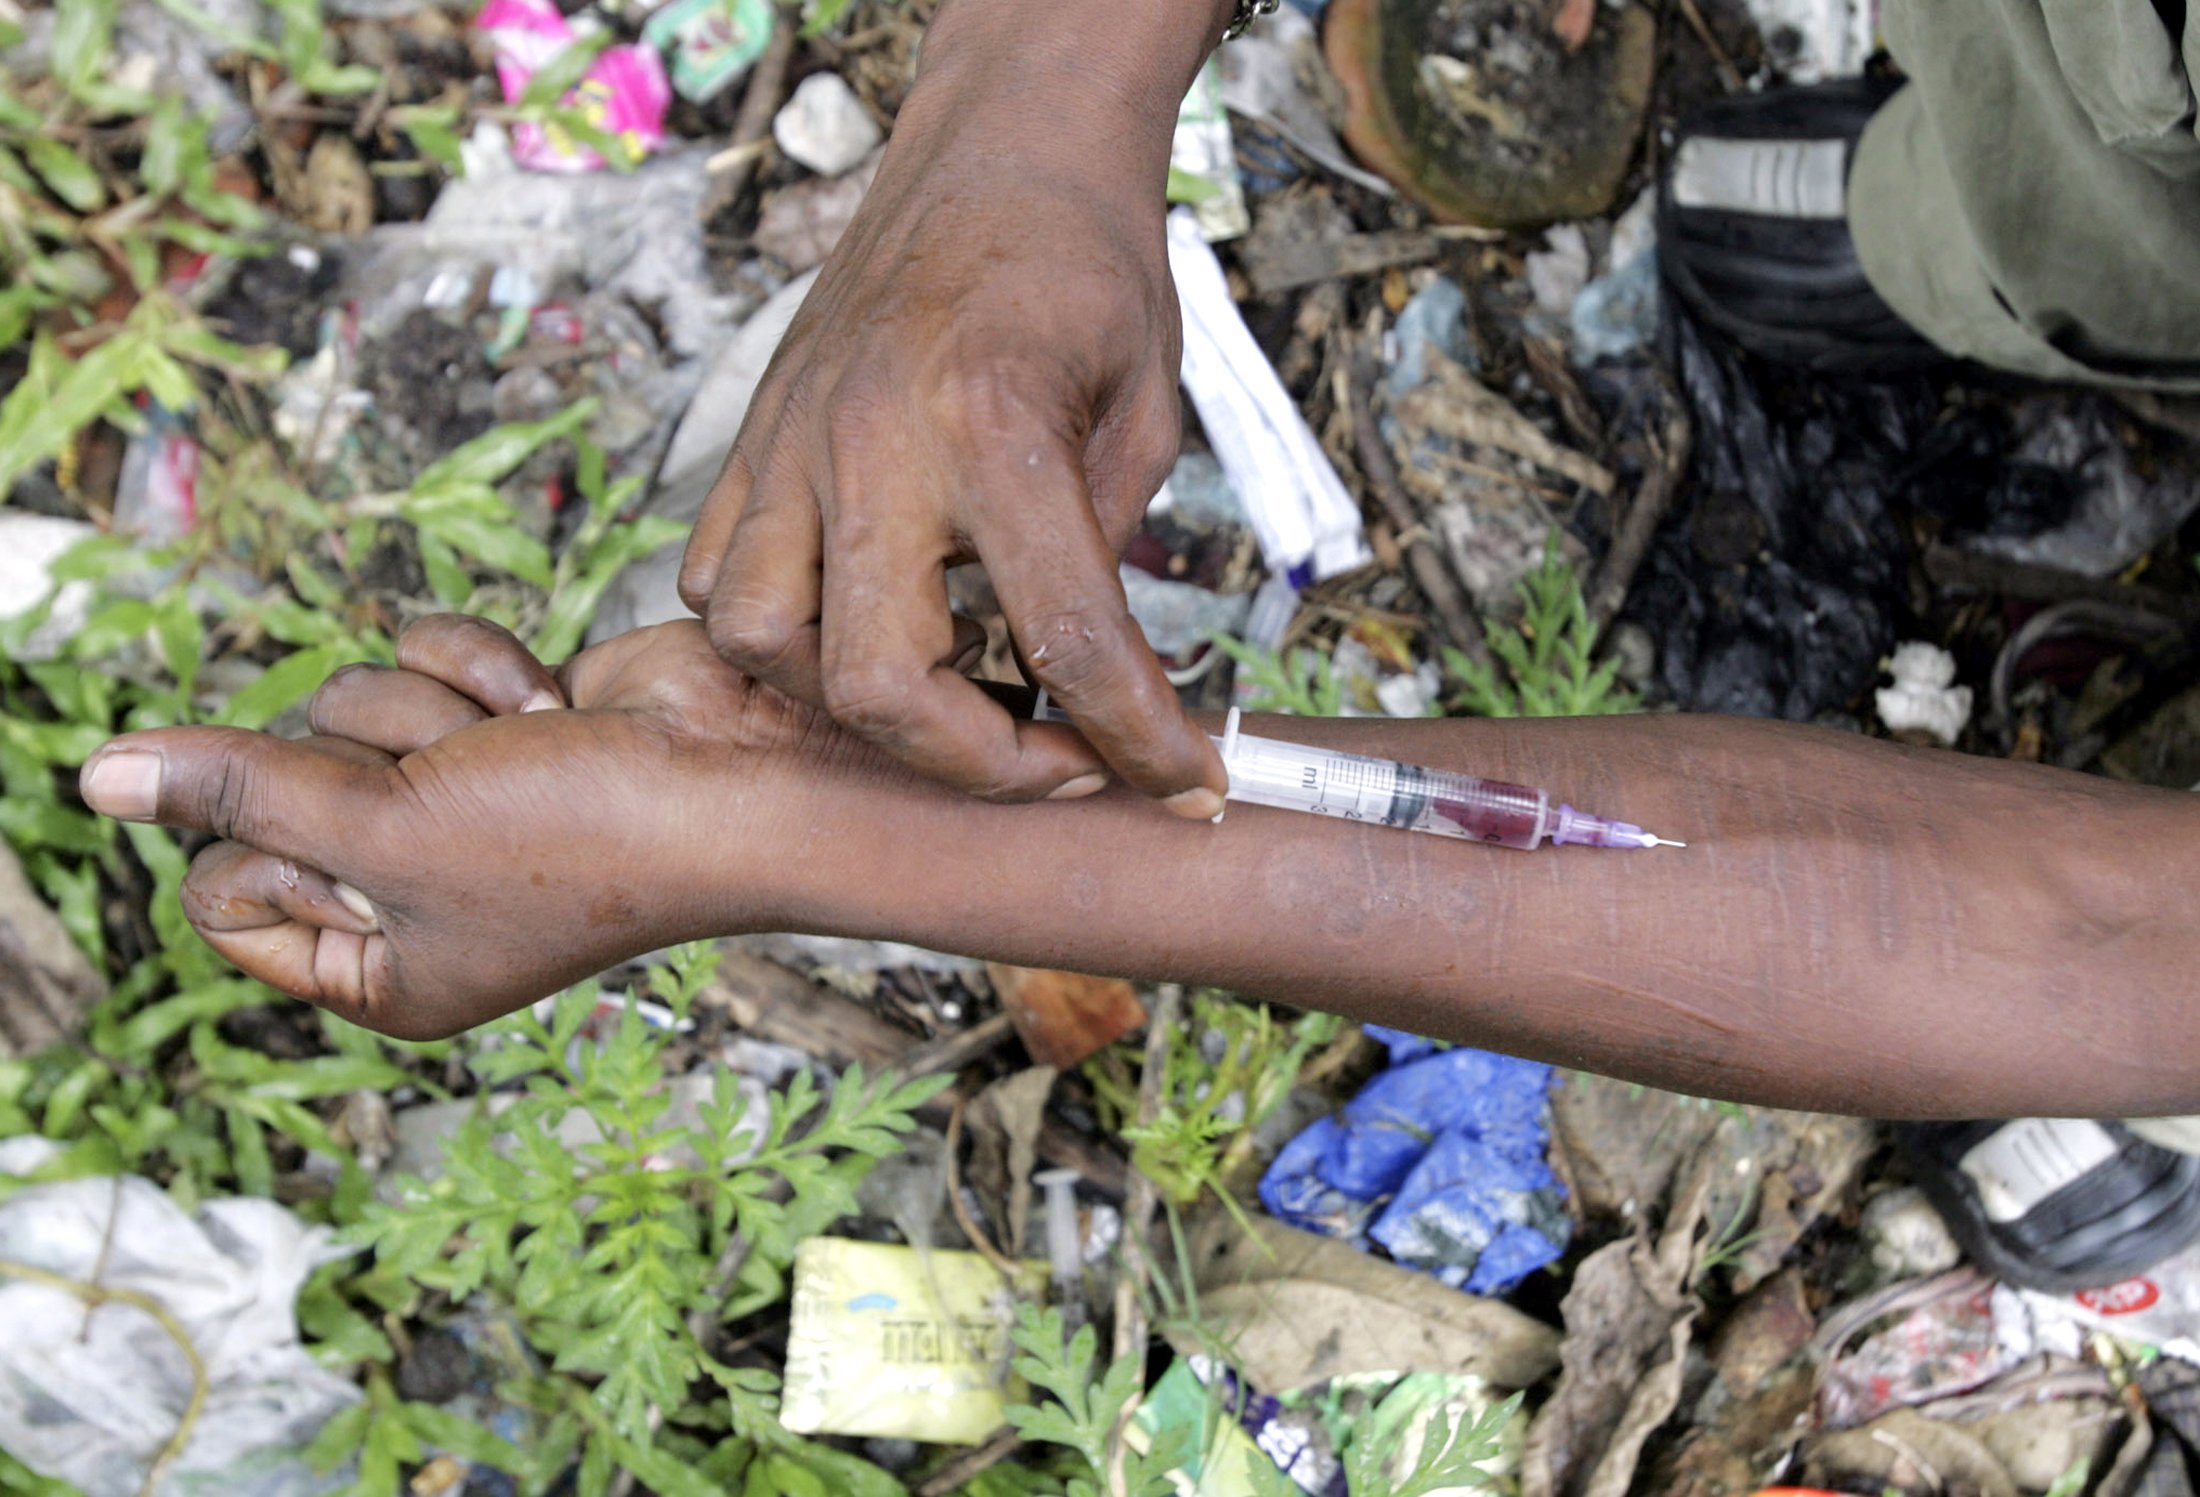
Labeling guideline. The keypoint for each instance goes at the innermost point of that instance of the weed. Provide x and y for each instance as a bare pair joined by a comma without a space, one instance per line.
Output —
1304,684
1547,659
1225,1070
1087,1418
619,1256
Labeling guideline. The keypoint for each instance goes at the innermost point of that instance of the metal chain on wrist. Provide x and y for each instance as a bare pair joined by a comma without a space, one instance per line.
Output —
1247,11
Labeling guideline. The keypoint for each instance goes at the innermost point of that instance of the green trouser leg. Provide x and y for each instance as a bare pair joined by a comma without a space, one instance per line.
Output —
2032,198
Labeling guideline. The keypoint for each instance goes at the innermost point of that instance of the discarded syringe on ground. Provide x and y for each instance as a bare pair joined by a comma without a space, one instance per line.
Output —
1390,792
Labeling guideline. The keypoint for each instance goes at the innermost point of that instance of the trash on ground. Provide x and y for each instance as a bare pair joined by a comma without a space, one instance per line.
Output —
1924,698
1439,1161
1809,41
153,1349
46,986
711,44
1309,527
1178,618
803,223
900,1343
1481,112
1262,81
623,93
825,126
1630,1315
1064,1018
1615,316
648,592
2124,489
157,495
1908,1239
1203,160
30,544
1297,1308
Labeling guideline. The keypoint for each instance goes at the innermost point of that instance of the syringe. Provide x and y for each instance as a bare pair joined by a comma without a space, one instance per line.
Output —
1390,792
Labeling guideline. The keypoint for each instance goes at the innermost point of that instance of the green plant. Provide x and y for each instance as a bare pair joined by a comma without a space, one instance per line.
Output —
2073,1479
1547,659
1452,1456
1225,1069
1304,684
1088,1412
80,216
621,1255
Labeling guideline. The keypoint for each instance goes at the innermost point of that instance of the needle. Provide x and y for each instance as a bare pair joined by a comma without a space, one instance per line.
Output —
1665,842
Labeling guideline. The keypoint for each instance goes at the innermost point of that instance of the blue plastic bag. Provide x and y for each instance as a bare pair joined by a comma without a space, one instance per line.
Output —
1440,1161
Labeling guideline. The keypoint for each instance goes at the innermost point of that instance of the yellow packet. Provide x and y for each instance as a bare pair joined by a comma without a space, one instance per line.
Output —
901,1344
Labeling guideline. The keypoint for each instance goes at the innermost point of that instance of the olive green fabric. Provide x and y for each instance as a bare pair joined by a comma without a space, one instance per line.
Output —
2031,199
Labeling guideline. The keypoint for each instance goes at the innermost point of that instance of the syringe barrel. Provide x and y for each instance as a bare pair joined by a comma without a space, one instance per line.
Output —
1492,811
1386,792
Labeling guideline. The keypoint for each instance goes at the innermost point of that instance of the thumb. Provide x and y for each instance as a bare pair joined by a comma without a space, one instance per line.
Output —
269,793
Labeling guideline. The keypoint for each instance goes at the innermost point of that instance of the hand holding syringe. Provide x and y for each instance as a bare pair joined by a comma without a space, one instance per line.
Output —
1390,792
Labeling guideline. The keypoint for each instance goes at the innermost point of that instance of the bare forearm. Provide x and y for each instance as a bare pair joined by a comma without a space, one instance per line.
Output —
1853,927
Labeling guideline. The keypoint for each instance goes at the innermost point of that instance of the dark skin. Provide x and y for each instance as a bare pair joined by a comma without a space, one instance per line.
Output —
1855,926
987,371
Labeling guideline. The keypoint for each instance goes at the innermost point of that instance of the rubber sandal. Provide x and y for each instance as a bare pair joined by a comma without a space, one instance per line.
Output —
2058,1204
1753,233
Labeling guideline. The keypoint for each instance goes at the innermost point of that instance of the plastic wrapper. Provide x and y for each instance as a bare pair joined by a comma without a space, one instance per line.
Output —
623,94
712,43
1204,150
1308,526
900,1343
1439,1160
94,1397
1950,1344
2160,1307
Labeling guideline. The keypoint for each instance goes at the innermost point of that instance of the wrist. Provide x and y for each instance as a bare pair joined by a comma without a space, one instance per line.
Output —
1100,79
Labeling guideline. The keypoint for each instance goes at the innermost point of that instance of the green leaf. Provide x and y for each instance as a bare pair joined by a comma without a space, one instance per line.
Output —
83,33
469,1441
136,1039
69,175
573,606
284,684
503,546
491,457
555,78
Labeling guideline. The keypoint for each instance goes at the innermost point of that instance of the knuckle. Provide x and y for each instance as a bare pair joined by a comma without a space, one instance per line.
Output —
1000,401
873,701
233,800
752,633
1068,648
321,712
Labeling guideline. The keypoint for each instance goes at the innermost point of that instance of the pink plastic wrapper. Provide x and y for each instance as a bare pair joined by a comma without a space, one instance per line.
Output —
1948,1345
625,94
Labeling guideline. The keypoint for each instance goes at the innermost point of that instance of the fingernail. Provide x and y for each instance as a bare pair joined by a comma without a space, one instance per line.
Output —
1079,788
543,701
358,903
124,785
1198,804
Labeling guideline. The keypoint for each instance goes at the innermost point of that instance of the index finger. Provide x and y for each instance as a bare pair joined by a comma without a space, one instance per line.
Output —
1057,582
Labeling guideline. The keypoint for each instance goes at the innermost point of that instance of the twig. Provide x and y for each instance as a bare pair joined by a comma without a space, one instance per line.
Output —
970,1463
963,1219
1661,479
951,1052
1140,1199
1729,74
758,105
95,1295
106,1252
1431,570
